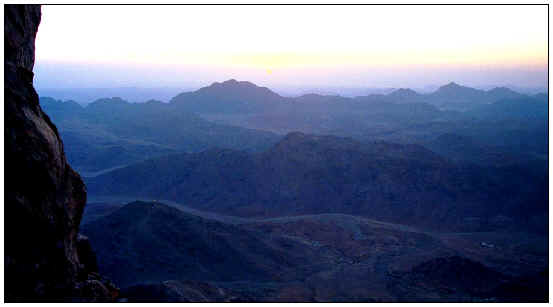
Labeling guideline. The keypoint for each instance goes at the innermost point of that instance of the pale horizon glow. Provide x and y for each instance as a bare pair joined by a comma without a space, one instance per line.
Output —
378,46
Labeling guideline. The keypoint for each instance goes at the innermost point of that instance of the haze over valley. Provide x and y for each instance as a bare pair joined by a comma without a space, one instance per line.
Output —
276,153
453,172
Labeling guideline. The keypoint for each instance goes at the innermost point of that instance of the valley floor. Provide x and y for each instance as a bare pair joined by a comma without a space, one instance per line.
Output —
318,257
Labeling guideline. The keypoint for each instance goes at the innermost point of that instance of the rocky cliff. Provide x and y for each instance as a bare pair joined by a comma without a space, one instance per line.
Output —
44,198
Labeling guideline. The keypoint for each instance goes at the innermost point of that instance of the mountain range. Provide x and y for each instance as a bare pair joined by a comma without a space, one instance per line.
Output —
307,174
251,196
110,133
243,96
406,202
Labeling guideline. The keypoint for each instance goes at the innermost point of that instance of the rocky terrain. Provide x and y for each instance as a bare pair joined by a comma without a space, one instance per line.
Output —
45,259
162,253
306,174
404,197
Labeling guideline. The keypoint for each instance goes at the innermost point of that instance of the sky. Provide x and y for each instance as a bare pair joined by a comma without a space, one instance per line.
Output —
291,46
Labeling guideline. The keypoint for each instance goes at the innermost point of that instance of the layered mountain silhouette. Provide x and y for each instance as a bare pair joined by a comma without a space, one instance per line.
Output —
364,204
458,97
243,96
439,197
112,133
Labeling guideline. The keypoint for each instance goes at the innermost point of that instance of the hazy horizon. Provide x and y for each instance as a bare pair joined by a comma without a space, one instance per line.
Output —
85,95
343,46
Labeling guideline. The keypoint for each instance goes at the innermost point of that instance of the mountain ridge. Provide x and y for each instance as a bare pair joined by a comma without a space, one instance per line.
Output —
316,174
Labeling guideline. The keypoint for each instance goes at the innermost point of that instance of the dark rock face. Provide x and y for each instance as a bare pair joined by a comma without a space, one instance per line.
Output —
44,198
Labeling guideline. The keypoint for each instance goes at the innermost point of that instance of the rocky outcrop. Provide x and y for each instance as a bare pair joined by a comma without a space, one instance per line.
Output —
44,198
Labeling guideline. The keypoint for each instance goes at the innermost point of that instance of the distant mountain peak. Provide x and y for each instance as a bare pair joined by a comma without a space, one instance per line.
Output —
453,88
228,96
244,90
230,81
450,85
233,83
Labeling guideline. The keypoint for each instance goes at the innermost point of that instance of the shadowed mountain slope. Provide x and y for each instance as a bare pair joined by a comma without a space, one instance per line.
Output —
309,258
112,132
322,174
158,242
